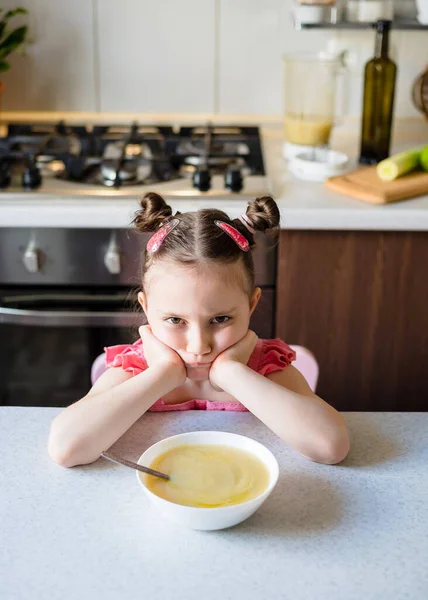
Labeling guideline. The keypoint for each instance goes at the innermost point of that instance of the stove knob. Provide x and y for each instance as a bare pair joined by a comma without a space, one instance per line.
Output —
31,258
4,175
202,179
112,257
31,178
233,179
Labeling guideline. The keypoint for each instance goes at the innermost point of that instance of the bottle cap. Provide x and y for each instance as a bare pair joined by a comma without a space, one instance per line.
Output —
382,25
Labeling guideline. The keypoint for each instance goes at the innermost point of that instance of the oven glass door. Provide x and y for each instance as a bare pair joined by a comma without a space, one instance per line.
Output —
50,338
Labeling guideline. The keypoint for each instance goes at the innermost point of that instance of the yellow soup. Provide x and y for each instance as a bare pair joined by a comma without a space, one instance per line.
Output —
208,476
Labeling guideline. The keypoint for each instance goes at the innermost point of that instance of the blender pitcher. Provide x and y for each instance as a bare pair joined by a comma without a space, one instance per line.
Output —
310,99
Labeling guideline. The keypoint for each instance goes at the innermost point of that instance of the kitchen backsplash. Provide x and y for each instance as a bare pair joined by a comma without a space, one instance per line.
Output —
192,56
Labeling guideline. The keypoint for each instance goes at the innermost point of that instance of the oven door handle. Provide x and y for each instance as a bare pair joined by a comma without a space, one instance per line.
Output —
69,318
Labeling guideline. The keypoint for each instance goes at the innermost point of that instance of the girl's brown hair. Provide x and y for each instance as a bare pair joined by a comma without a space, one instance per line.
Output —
197,239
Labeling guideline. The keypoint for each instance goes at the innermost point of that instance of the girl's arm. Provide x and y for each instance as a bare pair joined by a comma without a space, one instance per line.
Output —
86,428
83,430
285,403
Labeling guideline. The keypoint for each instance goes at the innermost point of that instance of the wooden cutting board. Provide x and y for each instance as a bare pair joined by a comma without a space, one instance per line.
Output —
365,185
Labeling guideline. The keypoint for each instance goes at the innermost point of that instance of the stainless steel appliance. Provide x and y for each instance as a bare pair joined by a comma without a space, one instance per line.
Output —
224,159
66,293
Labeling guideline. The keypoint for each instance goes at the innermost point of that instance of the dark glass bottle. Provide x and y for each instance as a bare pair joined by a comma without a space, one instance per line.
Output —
378,104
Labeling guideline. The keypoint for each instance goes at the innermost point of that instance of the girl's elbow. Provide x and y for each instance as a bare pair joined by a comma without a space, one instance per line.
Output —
336,445
64,452
337,449
58,450
60,453
69,456
330,451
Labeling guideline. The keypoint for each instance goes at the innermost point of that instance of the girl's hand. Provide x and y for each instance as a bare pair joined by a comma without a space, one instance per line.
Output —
157,353
239,352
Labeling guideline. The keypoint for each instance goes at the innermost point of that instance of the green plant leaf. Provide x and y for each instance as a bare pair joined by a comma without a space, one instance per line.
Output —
15,11
12,41
5,19
4,66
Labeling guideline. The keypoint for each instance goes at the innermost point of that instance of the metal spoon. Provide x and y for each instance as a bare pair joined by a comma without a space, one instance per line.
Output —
132,465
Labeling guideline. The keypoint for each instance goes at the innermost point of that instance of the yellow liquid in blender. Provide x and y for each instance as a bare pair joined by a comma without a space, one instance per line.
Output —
308,130
206,475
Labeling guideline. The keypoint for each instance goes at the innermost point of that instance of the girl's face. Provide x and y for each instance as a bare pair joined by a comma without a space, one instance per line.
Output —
198,312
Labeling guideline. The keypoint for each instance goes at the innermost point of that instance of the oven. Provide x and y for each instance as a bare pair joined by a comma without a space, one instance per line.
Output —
67,293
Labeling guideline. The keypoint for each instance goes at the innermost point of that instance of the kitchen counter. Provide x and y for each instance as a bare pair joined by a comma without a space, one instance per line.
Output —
303,205
346,532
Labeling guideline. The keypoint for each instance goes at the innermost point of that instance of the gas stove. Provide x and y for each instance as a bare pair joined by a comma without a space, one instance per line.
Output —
125,160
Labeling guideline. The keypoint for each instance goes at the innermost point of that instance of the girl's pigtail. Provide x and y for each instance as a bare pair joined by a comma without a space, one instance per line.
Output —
262,214
152,213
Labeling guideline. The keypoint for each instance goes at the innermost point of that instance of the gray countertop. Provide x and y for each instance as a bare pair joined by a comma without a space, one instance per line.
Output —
358,530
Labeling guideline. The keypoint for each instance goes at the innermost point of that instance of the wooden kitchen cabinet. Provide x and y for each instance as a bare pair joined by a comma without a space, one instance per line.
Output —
359,301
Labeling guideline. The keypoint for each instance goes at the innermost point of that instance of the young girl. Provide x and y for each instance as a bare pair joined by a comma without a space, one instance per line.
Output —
197,352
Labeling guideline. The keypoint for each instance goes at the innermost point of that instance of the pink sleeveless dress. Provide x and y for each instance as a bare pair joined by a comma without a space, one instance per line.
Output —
268,356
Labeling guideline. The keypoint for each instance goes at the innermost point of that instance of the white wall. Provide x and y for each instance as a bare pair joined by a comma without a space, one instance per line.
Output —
187,56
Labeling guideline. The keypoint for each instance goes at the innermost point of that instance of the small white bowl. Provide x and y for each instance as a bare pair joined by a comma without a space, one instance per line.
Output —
318,165
209,518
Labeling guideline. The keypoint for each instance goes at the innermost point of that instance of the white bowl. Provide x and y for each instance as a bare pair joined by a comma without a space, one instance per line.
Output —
209,518
318,165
